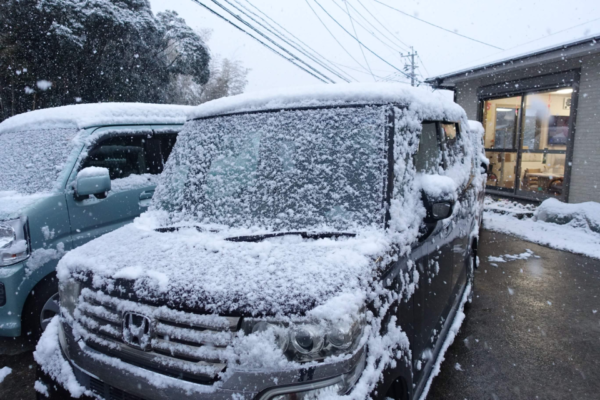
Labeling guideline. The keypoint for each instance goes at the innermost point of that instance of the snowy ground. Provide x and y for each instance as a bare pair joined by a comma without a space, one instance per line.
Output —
525,222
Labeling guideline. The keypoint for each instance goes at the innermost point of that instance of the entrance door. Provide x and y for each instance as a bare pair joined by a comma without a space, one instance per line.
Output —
501,121
526,140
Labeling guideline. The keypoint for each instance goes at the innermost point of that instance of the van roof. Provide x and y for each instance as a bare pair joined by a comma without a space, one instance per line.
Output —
427,102
98,114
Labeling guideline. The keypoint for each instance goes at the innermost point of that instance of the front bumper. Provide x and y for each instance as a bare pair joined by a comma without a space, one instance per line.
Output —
99,374
11,279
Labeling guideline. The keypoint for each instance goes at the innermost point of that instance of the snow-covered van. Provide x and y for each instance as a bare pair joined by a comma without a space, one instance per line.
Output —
67,175
308,243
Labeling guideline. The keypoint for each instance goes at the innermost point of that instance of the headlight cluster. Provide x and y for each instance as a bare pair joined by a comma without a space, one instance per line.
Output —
309,341
69,292
14,246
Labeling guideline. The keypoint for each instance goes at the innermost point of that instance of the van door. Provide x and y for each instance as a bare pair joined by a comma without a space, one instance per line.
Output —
436,269
454,153
134,160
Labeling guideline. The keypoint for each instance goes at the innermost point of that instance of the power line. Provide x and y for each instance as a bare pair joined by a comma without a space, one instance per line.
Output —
383,25
272,41
423,64
332,35
355,38
360,47
346,3
287,42
258,40
297,40
437,26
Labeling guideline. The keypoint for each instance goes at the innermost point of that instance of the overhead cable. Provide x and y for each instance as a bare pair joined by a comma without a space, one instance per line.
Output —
382,24
359,46
437,26
272,41
282,37
258,40
394,47
361,43
333,36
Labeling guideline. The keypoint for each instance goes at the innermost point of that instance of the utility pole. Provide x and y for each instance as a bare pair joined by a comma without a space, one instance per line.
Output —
410,67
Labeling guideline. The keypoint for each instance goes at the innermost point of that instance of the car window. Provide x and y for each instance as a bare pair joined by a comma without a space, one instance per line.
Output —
131,155
122,155
453,148
429,156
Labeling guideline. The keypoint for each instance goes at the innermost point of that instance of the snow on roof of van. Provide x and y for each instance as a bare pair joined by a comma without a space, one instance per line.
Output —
330,95
88,115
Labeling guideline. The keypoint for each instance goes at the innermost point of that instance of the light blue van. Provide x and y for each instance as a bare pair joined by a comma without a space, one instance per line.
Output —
68,175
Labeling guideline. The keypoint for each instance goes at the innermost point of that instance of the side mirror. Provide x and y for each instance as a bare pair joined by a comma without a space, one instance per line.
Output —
441,210
92,180
485,168
438,208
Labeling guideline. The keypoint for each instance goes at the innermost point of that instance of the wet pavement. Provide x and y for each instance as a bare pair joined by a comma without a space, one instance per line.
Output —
532,332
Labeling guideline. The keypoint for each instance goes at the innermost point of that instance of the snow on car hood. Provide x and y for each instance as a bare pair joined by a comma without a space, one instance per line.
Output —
188,268
13,204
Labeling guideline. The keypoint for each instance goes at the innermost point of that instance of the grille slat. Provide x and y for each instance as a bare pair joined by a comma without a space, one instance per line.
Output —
186,345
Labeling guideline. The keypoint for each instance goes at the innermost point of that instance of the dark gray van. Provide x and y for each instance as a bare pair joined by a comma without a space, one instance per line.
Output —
310,243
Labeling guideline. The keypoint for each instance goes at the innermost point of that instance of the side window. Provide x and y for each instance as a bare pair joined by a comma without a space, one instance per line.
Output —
453,147
429,156
131,155
122,155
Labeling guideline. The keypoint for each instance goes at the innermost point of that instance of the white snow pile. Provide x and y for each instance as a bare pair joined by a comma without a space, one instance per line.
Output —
511,257
318,174
330,95
4,372
82,116
569,227
581,215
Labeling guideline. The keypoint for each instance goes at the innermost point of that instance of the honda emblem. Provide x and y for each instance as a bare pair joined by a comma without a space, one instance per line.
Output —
137,331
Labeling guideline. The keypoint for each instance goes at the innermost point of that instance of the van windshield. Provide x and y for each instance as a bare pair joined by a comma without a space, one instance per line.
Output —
300,169
31,161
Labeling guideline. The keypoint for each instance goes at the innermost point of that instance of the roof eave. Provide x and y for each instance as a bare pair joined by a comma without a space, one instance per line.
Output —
583,47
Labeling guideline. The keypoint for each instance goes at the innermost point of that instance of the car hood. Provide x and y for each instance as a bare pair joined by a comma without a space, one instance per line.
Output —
189,269
13,204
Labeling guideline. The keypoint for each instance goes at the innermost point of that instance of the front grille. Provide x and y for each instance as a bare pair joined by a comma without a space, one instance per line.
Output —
181,344
110,392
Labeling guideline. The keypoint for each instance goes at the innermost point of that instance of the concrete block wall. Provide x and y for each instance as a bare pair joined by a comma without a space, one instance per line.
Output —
585,173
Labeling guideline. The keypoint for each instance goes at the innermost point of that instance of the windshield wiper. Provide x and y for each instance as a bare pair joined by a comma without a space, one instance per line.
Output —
305,235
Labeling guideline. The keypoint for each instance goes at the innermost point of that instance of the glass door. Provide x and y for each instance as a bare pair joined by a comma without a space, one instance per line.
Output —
501,121
545,135
526,139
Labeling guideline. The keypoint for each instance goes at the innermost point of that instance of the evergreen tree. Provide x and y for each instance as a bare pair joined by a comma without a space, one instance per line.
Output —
57,52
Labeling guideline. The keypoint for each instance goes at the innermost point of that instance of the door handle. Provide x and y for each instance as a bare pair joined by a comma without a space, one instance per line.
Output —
146,195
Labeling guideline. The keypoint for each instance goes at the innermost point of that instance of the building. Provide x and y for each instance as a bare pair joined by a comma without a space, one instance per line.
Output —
541,114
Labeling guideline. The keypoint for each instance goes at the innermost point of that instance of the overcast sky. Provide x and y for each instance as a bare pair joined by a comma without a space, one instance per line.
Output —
504,24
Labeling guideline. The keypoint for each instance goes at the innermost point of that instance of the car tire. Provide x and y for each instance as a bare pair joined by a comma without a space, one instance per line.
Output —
40,307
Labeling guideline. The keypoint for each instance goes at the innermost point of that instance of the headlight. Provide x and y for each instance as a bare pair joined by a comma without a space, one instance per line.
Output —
310,341
68,293
333,387
14,246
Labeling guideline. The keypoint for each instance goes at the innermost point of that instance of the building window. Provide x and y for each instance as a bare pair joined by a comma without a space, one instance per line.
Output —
526,138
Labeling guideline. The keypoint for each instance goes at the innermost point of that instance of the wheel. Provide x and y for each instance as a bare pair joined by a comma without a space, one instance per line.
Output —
397,391
40,307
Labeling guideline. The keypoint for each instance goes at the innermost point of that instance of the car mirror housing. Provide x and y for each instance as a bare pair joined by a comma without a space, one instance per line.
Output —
441,210
92,180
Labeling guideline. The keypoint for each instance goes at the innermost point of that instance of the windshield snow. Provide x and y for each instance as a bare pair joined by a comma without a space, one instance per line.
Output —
300,169
33,160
